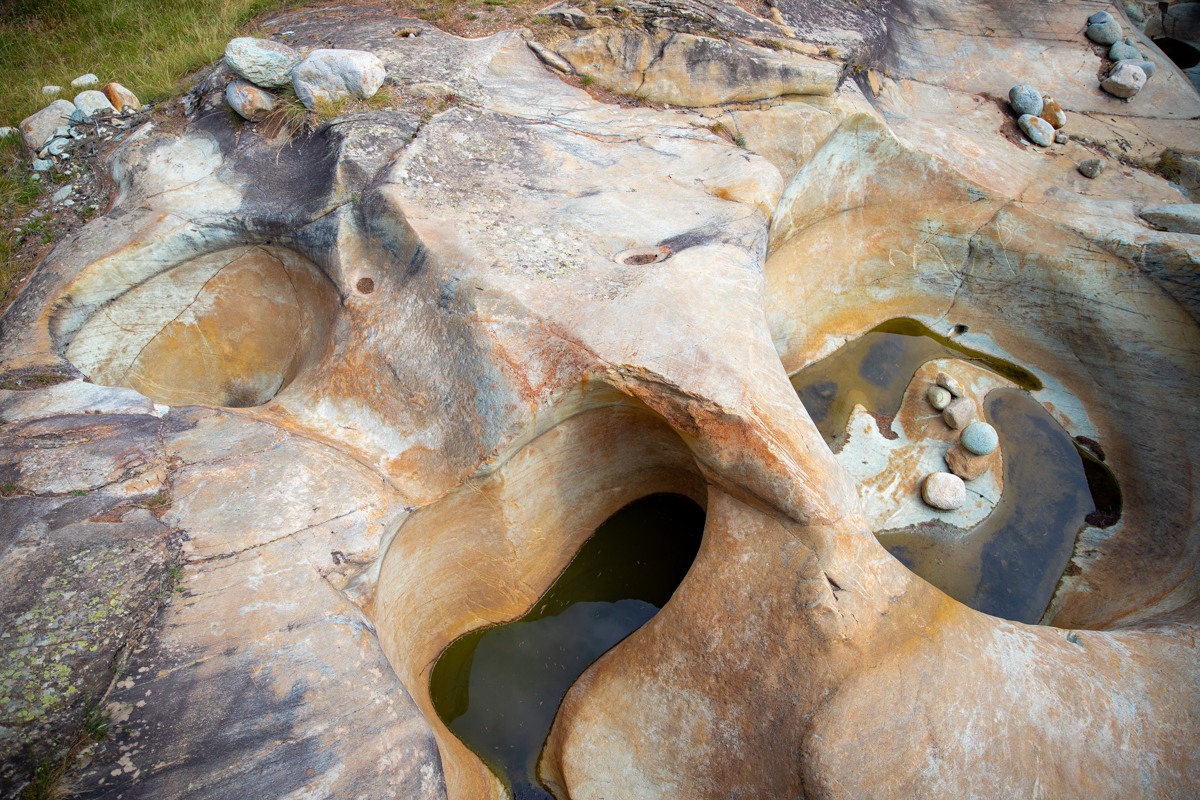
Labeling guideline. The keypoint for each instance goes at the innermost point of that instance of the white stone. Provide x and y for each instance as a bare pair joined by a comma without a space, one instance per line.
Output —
980,438
8,132
91,101
39,128
328,76
1125,80
944,491
939,397
262,62
63,193
51,89
85,80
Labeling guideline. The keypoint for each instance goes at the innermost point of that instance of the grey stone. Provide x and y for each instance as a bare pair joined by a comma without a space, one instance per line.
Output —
1037,129
62,194
938,397
41,164
39,128
1060,137
1025,99
944,491
1099,17
91,101
951,385
85,80
1183,218
57,146
960,413
1123,52
327,76
1124,81
51,89
1107,32
980,438
262,62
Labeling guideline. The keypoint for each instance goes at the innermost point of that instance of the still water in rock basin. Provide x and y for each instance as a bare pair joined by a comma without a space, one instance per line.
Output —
1009,564
498,689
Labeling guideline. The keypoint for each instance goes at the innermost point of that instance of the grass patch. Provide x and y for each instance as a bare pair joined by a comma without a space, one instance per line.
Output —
146,45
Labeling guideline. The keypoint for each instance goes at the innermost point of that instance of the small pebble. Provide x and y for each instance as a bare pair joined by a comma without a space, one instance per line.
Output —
1091,167
966,464
980,438
41,164
938,397
950,384
85,80
944,491
1060,137
62,194
1037,129
1025,99
959,413
51,89
1052,112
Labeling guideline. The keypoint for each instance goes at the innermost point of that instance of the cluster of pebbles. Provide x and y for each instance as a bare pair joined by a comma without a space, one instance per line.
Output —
1131,69
324,77
1039,116
49,132
968,458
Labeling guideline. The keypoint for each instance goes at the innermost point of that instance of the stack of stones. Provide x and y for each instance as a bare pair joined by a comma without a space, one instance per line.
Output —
324,77
969,458
48,132
1039,115
1132,68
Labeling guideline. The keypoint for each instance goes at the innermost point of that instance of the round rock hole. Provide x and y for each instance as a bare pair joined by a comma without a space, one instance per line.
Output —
365,285
640,256
1183,54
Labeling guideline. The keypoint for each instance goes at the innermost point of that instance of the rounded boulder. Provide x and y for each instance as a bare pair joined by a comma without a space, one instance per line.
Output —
1025,99
1037,129
980,438
262,62
944,491
328,76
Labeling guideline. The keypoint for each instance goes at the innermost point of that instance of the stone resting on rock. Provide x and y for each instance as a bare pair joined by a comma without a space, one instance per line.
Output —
336,400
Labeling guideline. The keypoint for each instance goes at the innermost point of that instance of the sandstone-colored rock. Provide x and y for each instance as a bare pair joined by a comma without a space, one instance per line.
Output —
327,76
1124,81
436,456
965,464
694,71
1178,218
1037,129
121,98
950,384
91,101
943,491
550,58
262,62
1052,112
960,413
248,100
37,129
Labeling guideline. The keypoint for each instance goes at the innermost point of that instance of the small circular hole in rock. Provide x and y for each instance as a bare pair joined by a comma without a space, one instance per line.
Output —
640,256
958,330
1183,54
365,285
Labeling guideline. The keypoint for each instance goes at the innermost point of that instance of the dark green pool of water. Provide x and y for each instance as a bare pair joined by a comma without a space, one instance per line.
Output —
498,689
1009,564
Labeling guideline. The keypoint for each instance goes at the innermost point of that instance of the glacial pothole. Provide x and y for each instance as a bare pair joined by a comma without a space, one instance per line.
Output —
498,689
231,328
1009,563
